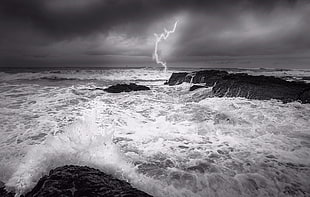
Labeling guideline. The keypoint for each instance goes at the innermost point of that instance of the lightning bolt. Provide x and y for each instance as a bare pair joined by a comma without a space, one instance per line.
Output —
159,38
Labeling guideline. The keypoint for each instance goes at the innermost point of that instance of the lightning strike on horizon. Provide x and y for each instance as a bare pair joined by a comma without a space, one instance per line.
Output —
159,38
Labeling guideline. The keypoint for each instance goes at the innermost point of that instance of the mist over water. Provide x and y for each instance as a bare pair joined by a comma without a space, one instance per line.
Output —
166,141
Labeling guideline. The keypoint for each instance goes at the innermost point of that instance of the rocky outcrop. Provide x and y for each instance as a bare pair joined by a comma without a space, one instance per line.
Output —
125,88
261,88
244,85
71,181
178,78
209,77
4,192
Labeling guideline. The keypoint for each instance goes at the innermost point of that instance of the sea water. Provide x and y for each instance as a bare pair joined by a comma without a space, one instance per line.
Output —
167,141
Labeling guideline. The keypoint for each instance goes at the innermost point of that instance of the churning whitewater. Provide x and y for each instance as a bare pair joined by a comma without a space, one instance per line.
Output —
166,141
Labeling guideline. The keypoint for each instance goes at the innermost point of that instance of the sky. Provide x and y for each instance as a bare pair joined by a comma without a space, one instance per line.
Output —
244,33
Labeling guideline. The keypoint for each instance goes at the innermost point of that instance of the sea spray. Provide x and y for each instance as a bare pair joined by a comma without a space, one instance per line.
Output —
82,143
85,143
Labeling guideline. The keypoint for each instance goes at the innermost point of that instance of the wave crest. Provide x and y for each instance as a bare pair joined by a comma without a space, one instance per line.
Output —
82,143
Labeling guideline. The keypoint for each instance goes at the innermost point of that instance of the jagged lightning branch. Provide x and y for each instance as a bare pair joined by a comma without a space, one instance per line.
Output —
159,38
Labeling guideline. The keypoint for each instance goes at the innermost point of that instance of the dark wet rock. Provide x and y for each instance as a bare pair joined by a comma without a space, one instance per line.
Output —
4,192
209,77
243,85
261,88
305,96
82,181
183,147
125,88
177,78
195,87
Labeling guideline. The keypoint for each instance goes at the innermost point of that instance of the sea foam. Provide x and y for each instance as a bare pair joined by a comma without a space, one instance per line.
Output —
82,143
167,141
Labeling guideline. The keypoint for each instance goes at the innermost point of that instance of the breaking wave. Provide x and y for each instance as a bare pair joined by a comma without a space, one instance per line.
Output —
166,142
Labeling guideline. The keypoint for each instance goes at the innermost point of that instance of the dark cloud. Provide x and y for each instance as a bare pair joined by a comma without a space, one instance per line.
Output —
64,31
79,17
250,32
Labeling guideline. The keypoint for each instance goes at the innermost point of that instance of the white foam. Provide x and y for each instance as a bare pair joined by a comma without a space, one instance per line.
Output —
167,141
82,143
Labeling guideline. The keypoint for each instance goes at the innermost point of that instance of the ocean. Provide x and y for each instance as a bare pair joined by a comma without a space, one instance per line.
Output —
167,141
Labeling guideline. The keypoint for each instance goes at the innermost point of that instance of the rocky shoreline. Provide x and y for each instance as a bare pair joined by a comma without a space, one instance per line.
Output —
261,87
70,180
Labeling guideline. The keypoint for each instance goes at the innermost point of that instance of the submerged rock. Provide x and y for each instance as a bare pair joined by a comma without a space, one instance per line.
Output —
244,85
67,181
125,88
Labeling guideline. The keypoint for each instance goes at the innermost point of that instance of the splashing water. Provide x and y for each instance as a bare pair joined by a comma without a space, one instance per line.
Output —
166,142
159,38
82,143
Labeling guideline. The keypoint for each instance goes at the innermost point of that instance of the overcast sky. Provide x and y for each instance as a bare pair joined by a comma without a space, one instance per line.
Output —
121,32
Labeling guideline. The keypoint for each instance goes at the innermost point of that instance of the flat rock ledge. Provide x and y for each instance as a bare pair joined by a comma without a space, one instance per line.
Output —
125,88
243,85
78,181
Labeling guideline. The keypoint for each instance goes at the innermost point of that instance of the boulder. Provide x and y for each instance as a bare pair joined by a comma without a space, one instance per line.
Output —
244,85
78,181
82,181
125,88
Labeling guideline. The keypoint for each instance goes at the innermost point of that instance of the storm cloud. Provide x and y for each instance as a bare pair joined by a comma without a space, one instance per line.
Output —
98,32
